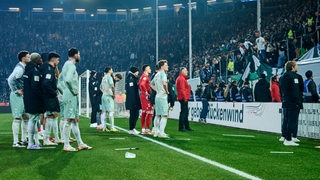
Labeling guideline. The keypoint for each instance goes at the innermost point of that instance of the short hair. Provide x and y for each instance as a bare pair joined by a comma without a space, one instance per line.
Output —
161,63
309,74
73,51
290,65
144,67
53,55
119,76
22,54
45,57
182,68
274,78
157,67
107,69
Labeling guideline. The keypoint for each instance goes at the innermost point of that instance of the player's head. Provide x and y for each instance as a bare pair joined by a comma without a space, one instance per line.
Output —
163,65
54,58
291,66
74,53
108,70
309,74
246,83
134,70
24,56
36,58
146,68
117,77
184,71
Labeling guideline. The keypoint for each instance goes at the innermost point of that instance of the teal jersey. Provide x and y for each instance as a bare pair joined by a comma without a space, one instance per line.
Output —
69,76
106,85
158,80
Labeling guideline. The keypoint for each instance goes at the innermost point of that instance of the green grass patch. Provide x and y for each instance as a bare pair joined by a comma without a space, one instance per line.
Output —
251,155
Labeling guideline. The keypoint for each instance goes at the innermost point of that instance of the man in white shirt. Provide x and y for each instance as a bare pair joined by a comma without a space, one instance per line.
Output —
261,46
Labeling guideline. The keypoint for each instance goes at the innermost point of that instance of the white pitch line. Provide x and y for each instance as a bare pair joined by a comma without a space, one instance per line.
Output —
280,152
214,163
238,135
178,139
117,138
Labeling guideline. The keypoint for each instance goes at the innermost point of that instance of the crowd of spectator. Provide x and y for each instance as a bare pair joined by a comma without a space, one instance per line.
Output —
219,38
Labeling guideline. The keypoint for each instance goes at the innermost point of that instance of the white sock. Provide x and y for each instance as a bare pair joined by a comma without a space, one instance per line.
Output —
76,132
48,129
66,133
15,130
31,129
156,124
36,135
111,117
55,129
62,121
163,124
103,120
24,130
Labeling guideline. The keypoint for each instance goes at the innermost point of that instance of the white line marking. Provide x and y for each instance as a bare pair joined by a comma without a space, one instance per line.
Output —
238,135
117,138
122,149
214,163
178,139
280,152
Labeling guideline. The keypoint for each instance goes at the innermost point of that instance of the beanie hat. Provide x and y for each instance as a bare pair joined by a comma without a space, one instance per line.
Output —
134,69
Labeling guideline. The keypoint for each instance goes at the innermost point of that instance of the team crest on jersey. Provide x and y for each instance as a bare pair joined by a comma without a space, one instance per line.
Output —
144,78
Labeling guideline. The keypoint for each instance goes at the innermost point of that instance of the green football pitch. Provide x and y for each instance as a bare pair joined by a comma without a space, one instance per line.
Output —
243,150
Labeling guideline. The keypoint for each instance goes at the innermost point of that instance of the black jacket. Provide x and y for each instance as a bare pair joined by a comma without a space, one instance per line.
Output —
291,90
94,88
32,98
209,92
262,91
246,94
312,88
171,96
132,91
49,88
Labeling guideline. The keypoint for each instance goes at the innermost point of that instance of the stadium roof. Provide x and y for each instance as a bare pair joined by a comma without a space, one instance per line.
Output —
89,4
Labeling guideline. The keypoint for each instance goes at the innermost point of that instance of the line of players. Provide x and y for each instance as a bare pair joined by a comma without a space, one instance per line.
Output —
141,93
39,93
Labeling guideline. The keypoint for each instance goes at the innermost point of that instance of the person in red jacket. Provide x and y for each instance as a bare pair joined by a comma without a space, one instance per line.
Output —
183,90
146,106
275,89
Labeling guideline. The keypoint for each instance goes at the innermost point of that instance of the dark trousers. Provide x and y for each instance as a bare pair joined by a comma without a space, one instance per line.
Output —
290,122
183,117
205,109
134,115
95,108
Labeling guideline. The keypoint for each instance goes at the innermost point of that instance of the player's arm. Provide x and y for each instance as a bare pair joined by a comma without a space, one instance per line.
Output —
69,80
112,87
16,74
165,86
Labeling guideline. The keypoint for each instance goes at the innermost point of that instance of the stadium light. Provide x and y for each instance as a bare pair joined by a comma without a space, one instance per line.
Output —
210,2
101,10
193,5
57,9
14,9
134,10
121,10
37,9
177,5
147,8
80,10
162,7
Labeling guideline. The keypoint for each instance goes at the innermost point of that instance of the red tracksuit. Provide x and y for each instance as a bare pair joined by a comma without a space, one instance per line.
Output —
145,91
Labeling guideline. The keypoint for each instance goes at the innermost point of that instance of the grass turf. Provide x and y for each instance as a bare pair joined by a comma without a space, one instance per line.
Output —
251,155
